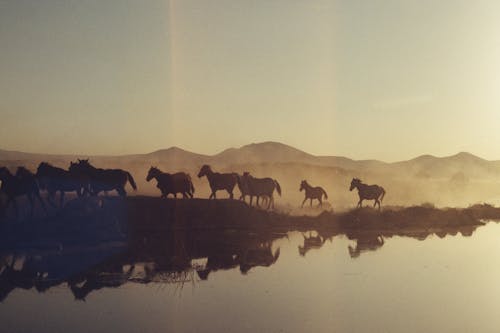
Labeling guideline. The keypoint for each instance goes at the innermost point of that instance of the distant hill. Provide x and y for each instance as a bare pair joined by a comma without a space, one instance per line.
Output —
275,152
459,179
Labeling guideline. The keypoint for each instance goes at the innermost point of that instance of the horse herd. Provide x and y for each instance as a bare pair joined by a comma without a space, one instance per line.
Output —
84,179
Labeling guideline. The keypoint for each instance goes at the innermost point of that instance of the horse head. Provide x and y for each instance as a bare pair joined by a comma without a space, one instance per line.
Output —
302,185
42,168
152,173
4,172
355,182
205,170
23,172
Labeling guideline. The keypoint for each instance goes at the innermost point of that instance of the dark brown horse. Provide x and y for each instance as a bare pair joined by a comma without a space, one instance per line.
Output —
244,189
179,182
260,187
103,179
54,179
312,193
368,192
22,183
219,181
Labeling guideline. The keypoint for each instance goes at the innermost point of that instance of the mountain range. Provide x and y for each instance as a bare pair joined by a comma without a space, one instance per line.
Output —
274,152
459,179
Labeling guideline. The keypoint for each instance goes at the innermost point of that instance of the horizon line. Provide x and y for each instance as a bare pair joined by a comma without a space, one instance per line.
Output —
246,145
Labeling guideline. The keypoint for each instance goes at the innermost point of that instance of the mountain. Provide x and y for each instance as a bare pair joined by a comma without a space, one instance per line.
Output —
459,179
275,152
265,152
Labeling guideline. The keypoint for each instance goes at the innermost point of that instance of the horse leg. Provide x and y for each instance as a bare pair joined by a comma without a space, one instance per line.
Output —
14,203
258,204
121,191
360,203
251,199
61,204
320,202
303,202
230,194
311,202
37,194
32,204
51,197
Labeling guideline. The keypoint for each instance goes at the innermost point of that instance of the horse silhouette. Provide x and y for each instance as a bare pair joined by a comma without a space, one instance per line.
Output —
364,243
245,190
54,179
368,192
179,182
312,193
22,183
262,255
219,181
311,242
260,187
103,179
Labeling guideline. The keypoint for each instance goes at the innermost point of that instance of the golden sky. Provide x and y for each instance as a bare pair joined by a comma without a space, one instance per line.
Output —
366,79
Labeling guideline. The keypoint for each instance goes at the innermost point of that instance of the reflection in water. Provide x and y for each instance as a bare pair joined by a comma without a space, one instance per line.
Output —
311,242
368,242
171,256
166,257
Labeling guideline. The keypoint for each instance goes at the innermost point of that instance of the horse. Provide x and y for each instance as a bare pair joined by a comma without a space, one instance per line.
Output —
260,187
219,181
368,192
312,193
103,179
262,255
364,243
55,179
244,190
179,182
22,183
311,242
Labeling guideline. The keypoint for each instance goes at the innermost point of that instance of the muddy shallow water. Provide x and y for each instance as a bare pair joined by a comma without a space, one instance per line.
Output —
234,282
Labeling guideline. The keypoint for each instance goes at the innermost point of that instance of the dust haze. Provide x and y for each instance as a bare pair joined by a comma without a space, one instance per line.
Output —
455,181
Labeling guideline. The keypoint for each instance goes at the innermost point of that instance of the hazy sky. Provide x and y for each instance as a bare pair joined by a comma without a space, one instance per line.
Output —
366,79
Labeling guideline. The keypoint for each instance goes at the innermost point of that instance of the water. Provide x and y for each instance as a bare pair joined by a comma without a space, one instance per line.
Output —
245,284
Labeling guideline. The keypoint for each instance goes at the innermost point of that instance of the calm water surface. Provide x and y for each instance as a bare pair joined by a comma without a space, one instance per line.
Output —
398,284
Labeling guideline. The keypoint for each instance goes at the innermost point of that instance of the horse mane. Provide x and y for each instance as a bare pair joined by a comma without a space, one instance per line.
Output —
23,171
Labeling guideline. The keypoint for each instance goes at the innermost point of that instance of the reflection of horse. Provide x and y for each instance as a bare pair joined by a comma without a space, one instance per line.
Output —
179,182
218,181
22,183
103,179
260,256
218,261
55,179
312,193
260,187
111,276
12,278
368,192
311,242
366,242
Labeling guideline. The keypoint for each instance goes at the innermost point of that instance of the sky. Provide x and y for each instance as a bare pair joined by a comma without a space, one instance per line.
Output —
389,80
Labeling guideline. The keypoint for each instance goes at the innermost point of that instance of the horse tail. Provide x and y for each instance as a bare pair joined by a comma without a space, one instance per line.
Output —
278,187
131,180
324,192
383,193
